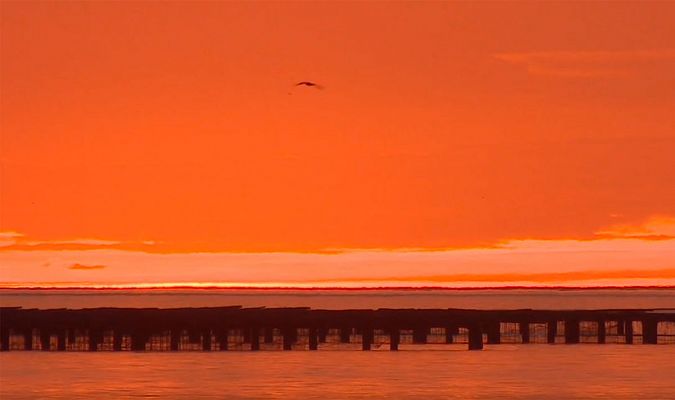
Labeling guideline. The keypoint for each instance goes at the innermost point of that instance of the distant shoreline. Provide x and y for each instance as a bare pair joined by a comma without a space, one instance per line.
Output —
292,288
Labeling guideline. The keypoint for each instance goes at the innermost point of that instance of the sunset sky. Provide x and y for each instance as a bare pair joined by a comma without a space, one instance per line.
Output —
453,144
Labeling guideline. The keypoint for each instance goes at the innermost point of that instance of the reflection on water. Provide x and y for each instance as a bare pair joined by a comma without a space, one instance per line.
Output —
504,371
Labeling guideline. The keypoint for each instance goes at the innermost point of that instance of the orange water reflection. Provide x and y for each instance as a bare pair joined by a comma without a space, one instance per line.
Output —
504,371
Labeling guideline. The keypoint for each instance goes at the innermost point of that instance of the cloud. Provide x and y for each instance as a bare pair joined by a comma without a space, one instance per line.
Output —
86,267
8,238
10,241
84,242
641,253
659,227
587,64
10,235
546,277
601,262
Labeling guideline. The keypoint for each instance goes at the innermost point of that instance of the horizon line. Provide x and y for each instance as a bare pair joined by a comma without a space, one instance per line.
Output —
335,288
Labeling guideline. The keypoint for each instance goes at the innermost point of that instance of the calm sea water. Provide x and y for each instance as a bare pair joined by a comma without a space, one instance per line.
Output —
342,299
498,372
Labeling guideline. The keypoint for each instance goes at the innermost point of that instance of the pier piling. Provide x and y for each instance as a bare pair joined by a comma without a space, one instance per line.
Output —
571,331
45,340
323,333
649,331
206,340
222,338
138,341
524,331
28,340
367,338
313,339
61,341
255,339
494,333
420,335
4,338
269,335
95,338
449,332
551,331
475,338
174,340
394,339
629,331
345,335
289,338
602,332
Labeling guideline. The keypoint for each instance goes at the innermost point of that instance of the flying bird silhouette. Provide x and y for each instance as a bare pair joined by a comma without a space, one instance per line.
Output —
309,84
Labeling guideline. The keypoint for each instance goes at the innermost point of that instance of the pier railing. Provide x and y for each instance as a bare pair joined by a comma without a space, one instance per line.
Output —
231,328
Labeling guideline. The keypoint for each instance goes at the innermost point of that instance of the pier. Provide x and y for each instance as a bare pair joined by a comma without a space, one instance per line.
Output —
254,329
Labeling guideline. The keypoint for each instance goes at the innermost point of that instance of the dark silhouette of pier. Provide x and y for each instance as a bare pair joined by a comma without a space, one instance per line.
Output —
228,328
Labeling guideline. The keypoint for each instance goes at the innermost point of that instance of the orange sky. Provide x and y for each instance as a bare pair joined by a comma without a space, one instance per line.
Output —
152,129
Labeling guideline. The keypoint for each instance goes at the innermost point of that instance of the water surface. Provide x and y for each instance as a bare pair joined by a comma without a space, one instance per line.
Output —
498,372
345,299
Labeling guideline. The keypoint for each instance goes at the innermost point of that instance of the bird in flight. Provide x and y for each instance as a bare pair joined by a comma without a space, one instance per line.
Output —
309,84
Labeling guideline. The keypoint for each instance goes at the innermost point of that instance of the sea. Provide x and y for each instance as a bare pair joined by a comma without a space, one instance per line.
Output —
505,371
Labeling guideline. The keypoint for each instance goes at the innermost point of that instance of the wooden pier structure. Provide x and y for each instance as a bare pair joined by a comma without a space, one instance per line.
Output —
229,328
